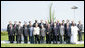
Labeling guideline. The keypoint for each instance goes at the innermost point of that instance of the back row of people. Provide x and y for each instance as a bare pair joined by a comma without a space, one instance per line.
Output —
54,31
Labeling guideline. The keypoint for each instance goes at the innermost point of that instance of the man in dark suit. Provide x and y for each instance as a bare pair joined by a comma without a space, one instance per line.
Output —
46,24
15,30
41,23
28,26
35,23
55,31
68,31
10,31
31,30
48,34
25,33
19,32
58,30
80,26
51,25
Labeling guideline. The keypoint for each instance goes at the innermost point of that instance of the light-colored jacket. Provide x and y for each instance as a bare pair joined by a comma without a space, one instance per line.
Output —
36,31
62,30
42,32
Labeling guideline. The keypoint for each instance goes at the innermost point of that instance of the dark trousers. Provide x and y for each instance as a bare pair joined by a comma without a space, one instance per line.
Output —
58,37
42,39
25,39
18,38
64,37
11,38
55,39
80,36
61,39
68,39
29,37
48,39
32,39
8,38
37,39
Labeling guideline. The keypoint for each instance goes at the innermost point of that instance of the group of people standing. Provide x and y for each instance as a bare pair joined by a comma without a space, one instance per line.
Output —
53,31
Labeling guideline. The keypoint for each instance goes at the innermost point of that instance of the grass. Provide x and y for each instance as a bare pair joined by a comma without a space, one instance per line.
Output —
42,45
4,36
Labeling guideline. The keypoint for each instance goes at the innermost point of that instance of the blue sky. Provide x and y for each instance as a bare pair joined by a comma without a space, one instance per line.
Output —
37,10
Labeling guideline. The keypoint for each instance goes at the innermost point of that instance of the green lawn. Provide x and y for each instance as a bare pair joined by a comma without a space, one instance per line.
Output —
42,45
4,36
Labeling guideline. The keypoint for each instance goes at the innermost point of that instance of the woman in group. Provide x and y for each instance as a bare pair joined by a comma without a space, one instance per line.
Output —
74,32
42,33
36,33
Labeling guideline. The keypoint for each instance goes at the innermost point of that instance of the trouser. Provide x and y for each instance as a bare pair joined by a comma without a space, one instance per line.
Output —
48,39
19,39
31,39
25,39
11,38
80,36
16,37
58,37
61,39
42,39
68,39
64,37
55,39
37,39
8,38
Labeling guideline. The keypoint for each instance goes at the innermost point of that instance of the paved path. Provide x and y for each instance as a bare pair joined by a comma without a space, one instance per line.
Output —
7,42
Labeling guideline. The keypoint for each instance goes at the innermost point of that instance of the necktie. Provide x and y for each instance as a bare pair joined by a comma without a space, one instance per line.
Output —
14,26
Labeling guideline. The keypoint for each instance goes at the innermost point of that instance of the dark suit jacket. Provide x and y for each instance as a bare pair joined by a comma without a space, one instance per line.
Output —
40,25
26,32
49,31
45,26
55,31
68,31
15,29
58,28
10,32
19,31
80,27
34,24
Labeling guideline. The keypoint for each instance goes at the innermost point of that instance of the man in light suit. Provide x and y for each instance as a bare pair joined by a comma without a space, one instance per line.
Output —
62,33
80,26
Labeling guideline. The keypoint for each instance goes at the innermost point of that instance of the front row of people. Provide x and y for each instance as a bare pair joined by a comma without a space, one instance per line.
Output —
54,31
